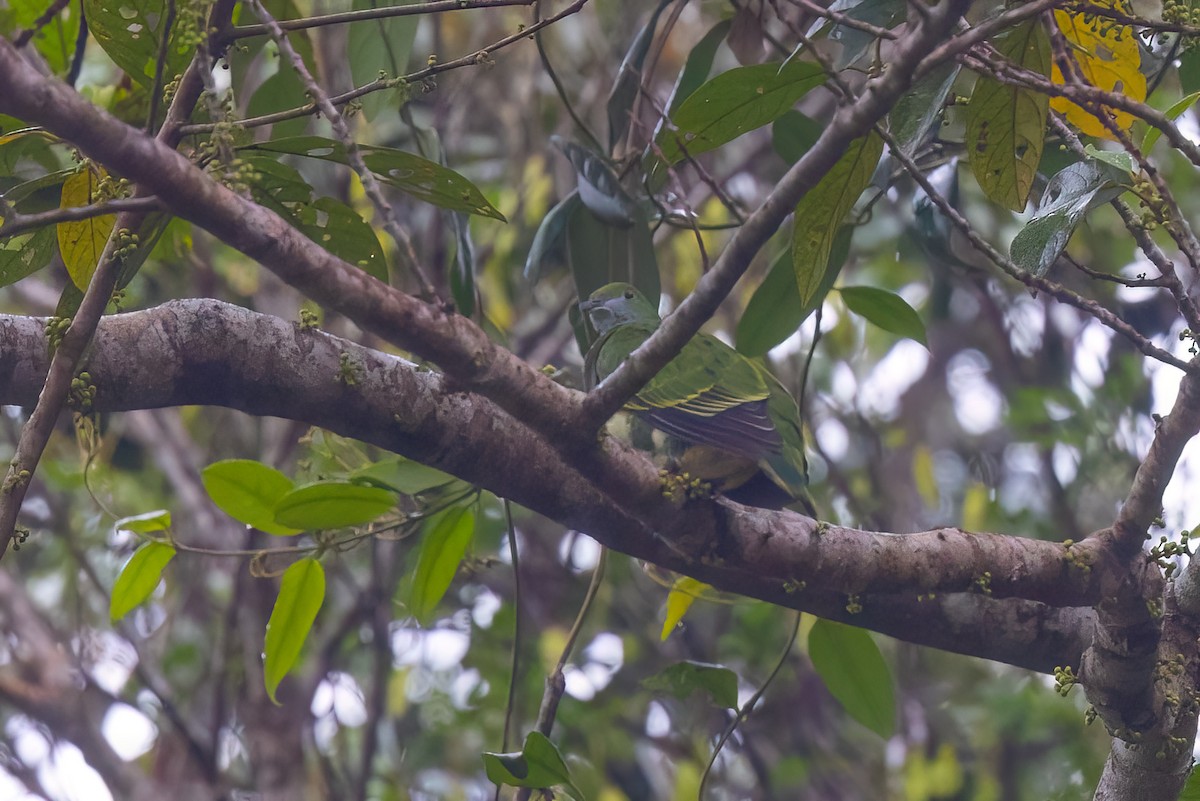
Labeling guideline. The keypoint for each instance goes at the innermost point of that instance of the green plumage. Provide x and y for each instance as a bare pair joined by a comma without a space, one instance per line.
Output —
739,427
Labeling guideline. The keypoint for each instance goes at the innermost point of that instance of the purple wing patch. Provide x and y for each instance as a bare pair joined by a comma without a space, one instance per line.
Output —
745,429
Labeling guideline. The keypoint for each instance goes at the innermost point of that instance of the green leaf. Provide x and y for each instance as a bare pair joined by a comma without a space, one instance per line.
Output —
684,678
885,309
734,103
1172,113
600,254
145,523
1006,125
332,504
300,596
1189,71
327,221
549,236
856,42
247,491
775,311
820,213
1191,788
130,31
380,45
537,765
423,179
446,540
1069,196
628,84
138,578
854,671
1117,158
793,134
698,65
81,242
401,475
916,112
24,255
55,41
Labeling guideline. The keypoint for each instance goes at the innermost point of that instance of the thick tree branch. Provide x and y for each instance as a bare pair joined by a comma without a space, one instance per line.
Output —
206,352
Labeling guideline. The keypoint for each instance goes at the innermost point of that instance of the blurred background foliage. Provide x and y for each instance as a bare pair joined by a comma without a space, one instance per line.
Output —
1022,416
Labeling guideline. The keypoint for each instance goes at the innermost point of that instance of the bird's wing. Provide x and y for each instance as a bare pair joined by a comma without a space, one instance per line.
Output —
711,395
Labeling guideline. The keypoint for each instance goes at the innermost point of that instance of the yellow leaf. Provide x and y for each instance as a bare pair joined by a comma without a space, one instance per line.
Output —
975,507
923,475
683,592
1107,56
82,241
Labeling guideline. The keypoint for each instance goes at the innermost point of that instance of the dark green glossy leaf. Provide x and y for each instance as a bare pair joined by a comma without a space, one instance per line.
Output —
327,221
684,678
1006,125
1189,70
885,309
1069,196
380,46
793,134
402,475
537,765
24,255
916,113
130,31
301,593
855,41
600,254
423,179
1191,788
854,671
549,236
446,540
820,213
247,491
55,41
332,504
734,103
138,578
775,311
698,65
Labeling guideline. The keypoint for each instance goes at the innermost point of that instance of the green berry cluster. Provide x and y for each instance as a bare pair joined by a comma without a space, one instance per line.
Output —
20,536
1180,12
348,372
1163,553
1064,680
55,329
82,393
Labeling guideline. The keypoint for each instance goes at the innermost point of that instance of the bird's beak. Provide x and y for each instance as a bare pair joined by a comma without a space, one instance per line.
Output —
586,306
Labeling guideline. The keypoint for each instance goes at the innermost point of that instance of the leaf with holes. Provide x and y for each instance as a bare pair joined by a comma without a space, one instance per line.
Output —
1108,56
1006,125
130,31
81,242
423,179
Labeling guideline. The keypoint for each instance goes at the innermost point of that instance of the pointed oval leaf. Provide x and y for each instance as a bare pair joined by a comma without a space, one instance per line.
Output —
699,64
247,491
301,593
734,103
914,115
145,523
885,309
629,79
684,678
129,31
138,578
793,134
82,241
379,46
1006,125
1171,113
332,504
820,212
538,765
446,541
684,591
401,475
423,179
775,311
854,671
549,235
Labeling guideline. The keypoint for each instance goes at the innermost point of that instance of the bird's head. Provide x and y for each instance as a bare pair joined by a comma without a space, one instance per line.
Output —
617,304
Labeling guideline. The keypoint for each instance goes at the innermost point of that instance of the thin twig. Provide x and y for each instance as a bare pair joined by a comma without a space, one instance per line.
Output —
370,184
385,12
511,702
560,88
20,223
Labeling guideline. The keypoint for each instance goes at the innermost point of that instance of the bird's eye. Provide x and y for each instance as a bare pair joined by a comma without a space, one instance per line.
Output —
628,294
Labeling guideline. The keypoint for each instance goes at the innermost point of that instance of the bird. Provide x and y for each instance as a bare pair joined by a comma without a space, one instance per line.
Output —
728,420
